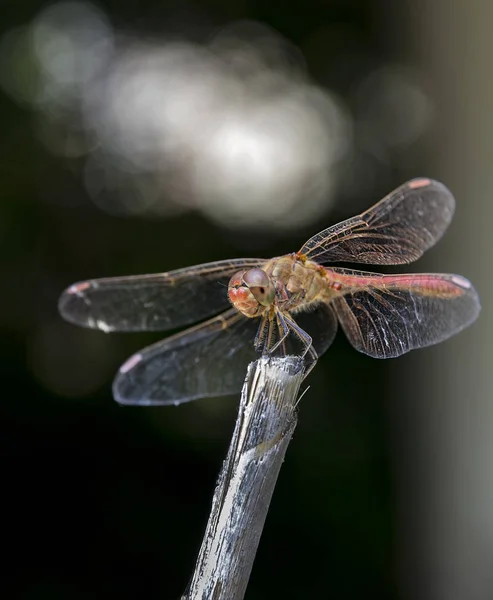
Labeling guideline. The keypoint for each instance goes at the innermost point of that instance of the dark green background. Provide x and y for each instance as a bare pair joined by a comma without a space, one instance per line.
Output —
101,501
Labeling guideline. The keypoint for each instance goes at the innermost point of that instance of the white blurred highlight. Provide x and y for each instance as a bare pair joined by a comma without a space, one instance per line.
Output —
72,42
232,128
242,149
282,149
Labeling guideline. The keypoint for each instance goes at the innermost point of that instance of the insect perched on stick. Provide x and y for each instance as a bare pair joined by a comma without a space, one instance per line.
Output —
285,305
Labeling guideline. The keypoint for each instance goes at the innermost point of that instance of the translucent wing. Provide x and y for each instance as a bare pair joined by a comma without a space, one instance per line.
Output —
152,302
396,230
207,360
385,316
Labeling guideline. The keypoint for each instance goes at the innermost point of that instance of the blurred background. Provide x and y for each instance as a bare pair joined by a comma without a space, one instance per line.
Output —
141,137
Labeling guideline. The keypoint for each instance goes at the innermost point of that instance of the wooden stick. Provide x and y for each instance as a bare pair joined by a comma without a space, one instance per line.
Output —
266,421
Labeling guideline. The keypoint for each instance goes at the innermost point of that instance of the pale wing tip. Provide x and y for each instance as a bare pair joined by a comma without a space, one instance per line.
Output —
72,301
461,282
443,199
471,296
129,391
125,391
78,288
75,306
464,284
129,364
419,182
121,382
128,395
426,182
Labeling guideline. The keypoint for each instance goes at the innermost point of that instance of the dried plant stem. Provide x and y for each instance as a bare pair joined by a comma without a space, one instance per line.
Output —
266,421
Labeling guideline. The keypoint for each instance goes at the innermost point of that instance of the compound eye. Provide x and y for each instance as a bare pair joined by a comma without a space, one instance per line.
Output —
261,286
237,280
256,278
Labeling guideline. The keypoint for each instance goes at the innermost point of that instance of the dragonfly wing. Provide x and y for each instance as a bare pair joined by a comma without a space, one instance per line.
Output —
152,302
207,360
385,316
396,230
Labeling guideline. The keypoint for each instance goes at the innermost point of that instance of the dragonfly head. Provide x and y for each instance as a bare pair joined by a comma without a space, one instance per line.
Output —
251,292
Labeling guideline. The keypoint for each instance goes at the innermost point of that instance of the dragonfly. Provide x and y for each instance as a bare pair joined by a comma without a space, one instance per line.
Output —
288,304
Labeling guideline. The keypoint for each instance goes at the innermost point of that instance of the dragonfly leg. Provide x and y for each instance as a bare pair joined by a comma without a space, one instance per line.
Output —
310,364
270,334
283,328
285,325
259,341
263,340
284,331
301,334
306,340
